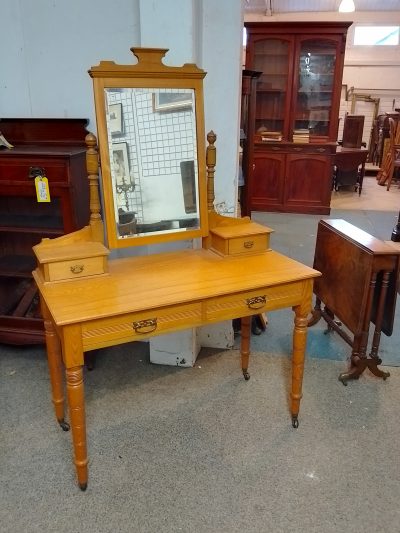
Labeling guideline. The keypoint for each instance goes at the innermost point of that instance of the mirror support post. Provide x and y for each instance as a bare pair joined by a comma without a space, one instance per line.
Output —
92,166
211,159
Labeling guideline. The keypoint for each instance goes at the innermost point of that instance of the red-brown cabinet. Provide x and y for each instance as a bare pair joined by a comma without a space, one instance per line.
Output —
293,114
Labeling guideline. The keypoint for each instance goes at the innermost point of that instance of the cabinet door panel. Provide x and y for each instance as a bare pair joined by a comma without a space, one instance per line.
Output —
308,180
272,56
267,183
317,92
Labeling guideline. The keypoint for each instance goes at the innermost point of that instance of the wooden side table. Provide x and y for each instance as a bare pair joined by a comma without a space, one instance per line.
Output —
358,286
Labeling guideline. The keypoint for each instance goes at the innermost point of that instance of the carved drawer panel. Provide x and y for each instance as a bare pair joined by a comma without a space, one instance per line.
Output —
140,326
254,302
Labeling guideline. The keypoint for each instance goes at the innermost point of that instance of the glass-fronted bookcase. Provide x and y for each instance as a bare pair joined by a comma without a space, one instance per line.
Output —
295,110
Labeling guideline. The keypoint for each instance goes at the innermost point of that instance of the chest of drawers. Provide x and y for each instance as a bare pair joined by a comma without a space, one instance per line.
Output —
54,148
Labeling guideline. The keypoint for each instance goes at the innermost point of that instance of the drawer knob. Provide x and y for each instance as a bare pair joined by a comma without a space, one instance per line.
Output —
256,302
77,269
145,326
248,244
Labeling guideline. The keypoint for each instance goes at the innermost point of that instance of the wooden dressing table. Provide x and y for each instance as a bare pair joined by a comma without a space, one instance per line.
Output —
89,302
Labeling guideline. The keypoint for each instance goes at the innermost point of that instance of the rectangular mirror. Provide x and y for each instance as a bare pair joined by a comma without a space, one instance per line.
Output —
151,142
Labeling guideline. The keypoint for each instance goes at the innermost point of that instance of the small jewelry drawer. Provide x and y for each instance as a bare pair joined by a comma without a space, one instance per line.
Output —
139,326
244,245
89,266
73,261
240,239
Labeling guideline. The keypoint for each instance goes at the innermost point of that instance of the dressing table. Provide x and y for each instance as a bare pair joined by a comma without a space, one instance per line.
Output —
153,115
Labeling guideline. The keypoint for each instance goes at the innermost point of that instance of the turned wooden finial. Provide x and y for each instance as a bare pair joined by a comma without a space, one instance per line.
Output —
211,158
92,167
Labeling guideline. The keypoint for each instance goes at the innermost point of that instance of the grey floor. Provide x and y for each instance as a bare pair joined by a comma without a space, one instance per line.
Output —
202,450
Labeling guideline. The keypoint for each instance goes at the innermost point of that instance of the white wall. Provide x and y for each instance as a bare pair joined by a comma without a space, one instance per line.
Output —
49,45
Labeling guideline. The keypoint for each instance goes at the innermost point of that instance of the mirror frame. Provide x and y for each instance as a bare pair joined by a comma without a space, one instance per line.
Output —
148,72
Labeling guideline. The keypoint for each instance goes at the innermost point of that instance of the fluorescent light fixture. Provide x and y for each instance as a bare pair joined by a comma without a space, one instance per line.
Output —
347,6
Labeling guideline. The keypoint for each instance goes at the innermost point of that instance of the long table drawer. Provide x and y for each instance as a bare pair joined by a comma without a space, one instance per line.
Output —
140,326
253,302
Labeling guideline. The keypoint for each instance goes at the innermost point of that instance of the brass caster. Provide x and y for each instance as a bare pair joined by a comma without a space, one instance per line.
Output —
64,425
295,421
246,375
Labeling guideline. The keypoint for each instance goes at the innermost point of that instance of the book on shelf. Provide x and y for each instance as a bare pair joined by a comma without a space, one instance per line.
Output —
271,139
301,136
268,136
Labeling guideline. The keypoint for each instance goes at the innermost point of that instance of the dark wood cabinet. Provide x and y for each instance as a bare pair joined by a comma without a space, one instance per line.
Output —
287,177
54,148
294,113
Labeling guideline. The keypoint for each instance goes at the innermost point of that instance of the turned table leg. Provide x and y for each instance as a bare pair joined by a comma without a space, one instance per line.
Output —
245,330
299,350
359,359
55,365
374,359
76,405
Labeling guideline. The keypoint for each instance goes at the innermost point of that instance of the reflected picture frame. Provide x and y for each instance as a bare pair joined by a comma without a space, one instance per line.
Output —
120,164
115,119
167,102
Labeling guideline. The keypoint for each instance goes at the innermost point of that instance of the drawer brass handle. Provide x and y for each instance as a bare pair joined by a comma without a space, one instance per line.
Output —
256,302
297,149
77,269
276,148
145,326
248,244
321,150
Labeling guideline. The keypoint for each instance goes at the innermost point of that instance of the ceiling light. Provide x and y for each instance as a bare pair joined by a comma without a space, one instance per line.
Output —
347,6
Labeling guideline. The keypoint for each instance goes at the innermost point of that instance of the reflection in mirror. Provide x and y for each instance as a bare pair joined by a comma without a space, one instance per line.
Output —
153,160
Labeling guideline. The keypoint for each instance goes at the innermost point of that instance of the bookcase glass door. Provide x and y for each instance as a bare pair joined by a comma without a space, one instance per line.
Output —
271,57
315,87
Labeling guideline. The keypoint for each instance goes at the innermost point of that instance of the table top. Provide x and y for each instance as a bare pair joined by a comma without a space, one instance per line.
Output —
360,237
146,282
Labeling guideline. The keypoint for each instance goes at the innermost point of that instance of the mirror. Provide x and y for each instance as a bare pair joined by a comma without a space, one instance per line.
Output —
151,142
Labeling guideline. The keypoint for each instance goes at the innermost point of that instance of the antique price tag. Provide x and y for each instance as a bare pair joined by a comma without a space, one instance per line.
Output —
42,189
